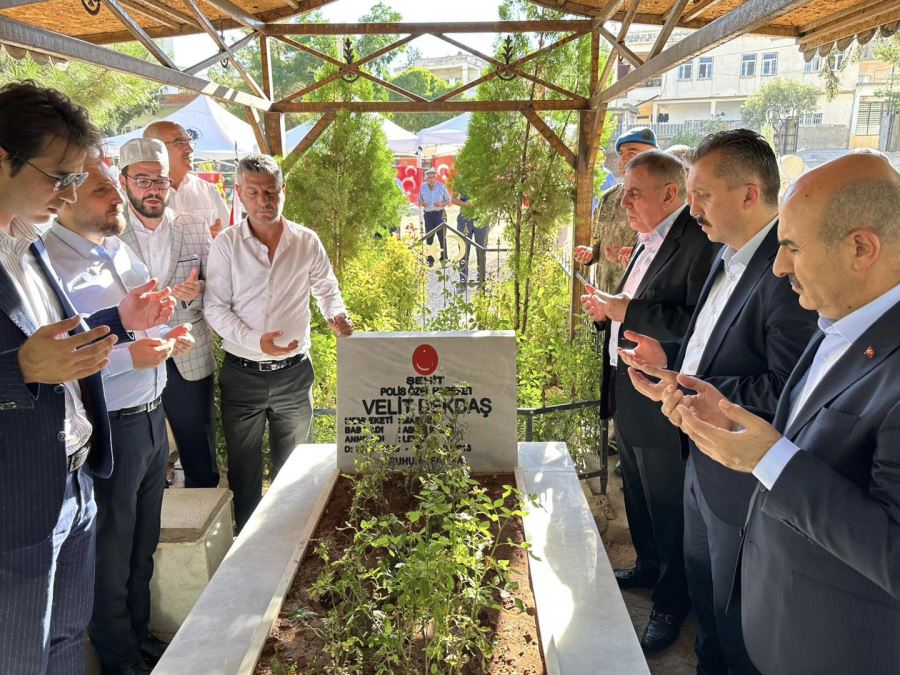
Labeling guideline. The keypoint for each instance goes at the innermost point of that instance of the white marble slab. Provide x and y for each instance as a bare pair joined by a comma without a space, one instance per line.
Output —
583,622
384,377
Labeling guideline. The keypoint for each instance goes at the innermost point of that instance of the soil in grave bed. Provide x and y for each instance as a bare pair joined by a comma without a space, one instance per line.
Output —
292,649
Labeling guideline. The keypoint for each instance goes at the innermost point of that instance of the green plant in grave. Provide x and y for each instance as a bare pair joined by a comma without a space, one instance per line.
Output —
414,586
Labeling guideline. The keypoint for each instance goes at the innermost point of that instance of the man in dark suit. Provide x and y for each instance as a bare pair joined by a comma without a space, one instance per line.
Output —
54,433
656,297
745,337
820,568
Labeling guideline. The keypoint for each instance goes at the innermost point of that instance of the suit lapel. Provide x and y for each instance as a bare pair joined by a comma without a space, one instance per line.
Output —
783,409
176,236
638,248
760,265
128,238
12,305
667,250
854,364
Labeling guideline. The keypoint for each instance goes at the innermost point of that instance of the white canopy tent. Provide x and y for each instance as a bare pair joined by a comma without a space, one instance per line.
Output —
217,133
454,131
399,140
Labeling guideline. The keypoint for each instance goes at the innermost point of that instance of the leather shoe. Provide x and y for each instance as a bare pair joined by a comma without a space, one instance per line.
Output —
661,631
152,650
634,578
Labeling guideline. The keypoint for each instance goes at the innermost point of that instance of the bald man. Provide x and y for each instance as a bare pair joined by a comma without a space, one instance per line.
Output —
820,572
189,193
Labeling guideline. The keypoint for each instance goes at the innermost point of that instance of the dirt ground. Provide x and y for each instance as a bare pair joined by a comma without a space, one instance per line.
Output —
609,512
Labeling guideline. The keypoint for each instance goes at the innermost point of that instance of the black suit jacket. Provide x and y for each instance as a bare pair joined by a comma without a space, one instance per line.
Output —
820,577
662,308
32,418
751,351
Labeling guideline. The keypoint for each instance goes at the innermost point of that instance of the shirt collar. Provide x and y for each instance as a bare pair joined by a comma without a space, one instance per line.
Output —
655,238
84,247
137,225
23,236
736,261
859,321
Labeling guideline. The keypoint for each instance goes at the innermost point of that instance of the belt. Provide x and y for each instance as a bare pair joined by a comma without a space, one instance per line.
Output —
77,458
143,407
264,366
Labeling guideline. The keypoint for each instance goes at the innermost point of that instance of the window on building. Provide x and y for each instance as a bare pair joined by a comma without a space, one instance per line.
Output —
865,79
868,121
705,68
814,65
748,65
811,119
769,64
837,60
686,71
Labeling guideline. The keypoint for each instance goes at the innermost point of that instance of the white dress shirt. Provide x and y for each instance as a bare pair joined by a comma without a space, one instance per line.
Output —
39,300
247,296
97,276
199,198
839,337
156,244
647,248
735,263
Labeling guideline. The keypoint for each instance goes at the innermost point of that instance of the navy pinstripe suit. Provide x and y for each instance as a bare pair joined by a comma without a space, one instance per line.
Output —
45,600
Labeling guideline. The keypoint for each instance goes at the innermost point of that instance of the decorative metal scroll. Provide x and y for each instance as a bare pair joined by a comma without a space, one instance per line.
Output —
507,55
348,58
92,7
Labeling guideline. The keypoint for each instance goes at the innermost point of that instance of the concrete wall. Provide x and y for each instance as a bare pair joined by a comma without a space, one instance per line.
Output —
824,137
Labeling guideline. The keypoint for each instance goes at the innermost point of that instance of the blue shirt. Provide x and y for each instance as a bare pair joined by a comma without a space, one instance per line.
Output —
839,337
431,195
95,277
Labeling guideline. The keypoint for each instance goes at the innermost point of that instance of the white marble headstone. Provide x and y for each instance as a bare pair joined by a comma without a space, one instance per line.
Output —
382,377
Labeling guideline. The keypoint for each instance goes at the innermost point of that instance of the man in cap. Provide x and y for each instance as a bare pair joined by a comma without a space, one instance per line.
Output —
53,421
174,247
433,197
97,270
610,231
189,193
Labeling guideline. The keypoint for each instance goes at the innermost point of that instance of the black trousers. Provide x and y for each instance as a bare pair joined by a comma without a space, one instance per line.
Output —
432,220
711,549
250,398
190,409
653,482
128,513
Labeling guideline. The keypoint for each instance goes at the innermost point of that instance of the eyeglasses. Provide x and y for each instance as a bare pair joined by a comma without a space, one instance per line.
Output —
181,143
143,183
59,182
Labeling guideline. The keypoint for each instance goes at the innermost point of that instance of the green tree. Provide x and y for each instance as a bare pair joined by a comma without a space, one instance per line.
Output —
425,84
111,98
889,50
344,187
778,101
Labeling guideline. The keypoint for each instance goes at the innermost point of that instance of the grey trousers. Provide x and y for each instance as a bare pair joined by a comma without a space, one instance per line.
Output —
249,399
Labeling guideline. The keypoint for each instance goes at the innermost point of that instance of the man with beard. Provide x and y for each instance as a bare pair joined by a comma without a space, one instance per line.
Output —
190,193
175,246
97,269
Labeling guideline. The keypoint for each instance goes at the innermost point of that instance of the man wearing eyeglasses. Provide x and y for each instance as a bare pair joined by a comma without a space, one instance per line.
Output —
174,246
54,429
190,193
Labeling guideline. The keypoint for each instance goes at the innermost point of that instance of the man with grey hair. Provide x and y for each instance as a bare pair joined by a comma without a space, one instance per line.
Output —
259,279
820,565
656,297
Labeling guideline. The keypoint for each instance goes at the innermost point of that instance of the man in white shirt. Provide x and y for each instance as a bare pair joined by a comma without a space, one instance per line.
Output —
190,193
175,246
820,568
260,276
97,269
745,337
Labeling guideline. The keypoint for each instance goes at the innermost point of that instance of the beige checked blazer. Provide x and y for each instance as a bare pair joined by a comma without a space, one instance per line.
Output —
190,242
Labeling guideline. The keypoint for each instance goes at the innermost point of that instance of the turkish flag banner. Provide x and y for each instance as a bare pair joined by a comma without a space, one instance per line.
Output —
444,167
410,177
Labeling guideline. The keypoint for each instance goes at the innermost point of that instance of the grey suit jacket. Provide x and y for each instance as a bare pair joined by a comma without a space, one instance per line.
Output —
820,574
190,242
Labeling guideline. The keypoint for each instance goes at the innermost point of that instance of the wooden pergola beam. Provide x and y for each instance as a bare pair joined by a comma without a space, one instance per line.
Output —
430,106
258,132
744,19
238,14
265,61
619,44
150,13
550,136
221,54
700,8
657,20
422,28
307,141
47,42
135,29
672,20
611,58
172,13
865,19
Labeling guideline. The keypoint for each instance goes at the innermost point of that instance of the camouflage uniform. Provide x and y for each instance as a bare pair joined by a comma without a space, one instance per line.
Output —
609,227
